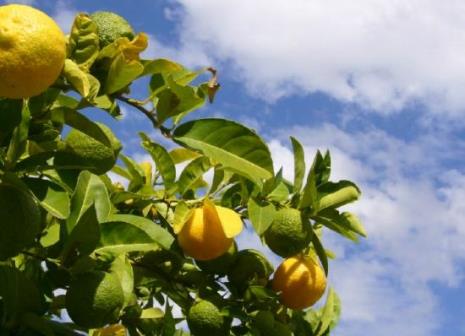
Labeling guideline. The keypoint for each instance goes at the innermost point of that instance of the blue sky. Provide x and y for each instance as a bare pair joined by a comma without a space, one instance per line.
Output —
381,84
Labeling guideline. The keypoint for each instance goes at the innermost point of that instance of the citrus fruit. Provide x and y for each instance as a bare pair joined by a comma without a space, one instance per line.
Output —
20,220
220,265
32,51
203,236
288,234
94,299
83,150
204,318
111,26
250,265
301,282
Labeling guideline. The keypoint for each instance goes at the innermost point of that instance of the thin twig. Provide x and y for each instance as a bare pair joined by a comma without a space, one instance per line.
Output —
152,116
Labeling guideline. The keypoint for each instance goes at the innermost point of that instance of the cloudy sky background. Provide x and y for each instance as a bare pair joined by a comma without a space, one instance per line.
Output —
381,83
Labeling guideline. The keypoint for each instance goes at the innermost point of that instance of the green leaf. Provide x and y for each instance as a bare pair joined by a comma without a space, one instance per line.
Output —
320,251
177,100
136,180
122,267
333,220
261,214
81,123
164,163
310,194
123,71
126,233
87,85
10,116
218,178
346,223
334,195
85,234
18,141
322,167
231,144
19,294
181,154
330,314
51,196
192,173
83,42
90,190
161,66
299,164
280,193
182,213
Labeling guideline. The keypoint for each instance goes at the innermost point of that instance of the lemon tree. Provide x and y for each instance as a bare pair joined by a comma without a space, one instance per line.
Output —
158,250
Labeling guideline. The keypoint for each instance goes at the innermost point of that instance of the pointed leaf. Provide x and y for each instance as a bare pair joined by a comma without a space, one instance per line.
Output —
181,154
299,164
51,196
182,213
230,144
126,233
334,195
122,267
192,173
164,163
320,251
89,190
261,214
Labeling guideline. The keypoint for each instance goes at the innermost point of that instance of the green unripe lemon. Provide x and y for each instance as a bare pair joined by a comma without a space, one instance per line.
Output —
111,26
83,150
205,319
289,233
250,265
220,265
20,220
94,299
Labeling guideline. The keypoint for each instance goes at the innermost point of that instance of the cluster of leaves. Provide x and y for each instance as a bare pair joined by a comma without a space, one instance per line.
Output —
89,222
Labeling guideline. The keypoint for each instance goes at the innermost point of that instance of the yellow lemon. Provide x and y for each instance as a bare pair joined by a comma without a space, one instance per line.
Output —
301,281
32,51
209,231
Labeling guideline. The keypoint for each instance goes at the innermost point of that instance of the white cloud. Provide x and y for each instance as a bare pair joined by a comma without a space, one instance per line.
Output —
414,227
64,15
382,54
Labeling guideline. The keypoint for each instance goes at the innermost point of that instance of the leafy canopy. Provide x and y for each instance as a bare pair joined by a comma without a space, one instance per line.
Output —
119,238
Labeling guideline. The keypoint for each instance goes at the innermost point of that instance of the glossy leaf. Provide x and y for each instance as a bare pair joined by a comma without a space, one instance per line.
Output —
181,154
51,196
126,233
85,234
89,190
299,164
164,163
122,267
87,85
320,251
18,141
192,173
182,213
229,143
334,195
261,214
333,220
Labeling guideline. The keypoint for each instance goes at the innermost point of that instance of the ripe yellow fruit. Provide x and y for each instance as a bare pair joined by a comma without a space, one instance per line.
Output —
301,281
203,236
32,51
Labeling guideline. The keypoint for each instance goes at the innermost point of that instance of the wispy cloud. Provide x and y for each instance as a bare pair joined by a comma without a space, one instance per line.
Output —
383,55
